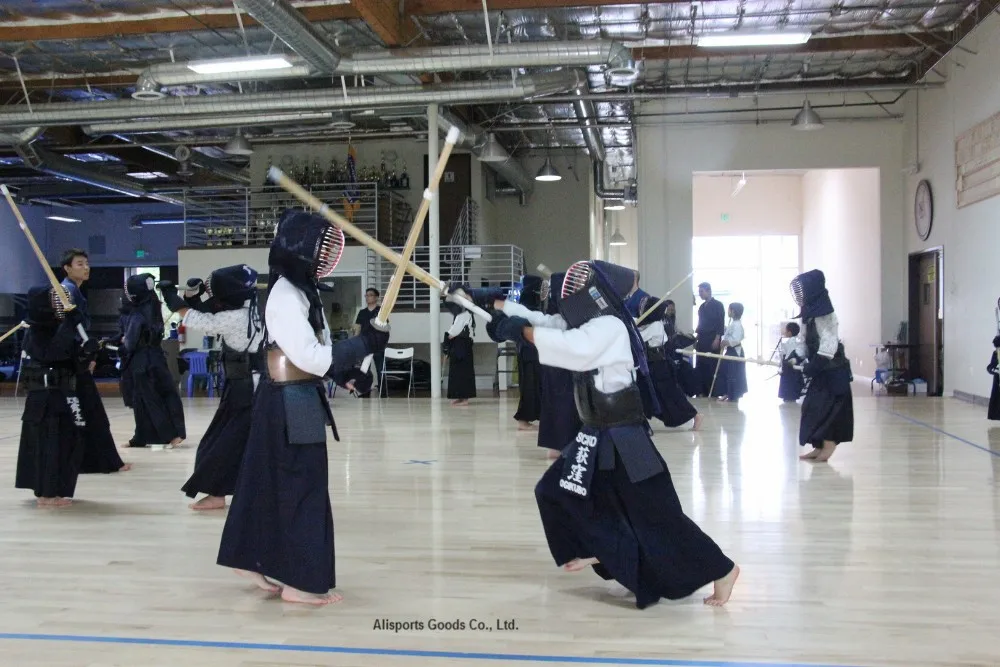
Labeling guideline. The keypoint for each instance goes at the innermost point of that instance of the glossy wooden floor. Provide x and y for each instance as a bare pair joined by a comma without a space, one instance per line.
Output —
888,555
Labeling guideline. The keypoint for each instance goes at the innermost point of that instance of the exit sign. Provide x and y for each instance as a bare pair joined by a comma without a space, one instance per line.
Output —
140,254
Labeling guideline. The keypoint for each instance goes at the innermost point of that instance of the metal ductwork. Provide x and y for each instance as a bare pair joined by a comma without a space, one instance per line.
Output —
587,115
24,137
613,55
281,18
474,138
42,160
200,160
73,113
161,126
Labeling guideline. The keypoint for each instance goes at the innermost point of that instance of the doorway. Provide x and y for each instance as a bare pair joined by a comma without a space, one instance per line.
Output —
927,319
453,190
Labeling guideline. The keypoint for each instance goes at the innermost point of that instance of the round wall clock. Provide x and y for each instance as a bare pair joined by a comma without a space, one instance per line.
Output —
923,210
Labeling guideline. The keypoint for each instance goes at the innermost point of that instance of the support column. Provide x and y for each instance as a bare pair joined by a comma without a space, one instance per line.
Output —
433,233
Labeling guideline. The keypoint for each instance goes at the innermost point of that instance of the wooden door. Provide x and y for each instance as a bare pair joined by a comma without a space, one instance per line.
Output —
925,309
454,189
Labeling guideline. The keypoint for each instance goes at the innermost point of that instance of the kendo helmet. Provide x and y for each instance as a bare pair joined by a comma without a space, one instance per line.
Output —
593,288
227,288
810,294
44,307
140,288
305,243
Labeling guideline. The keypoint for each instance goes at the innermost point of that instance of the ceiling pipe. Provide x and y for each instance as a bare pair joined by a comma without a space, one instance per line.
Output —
475,138
161,126
613,55
199,160
25,136
72,113
587,116
288,24
42,160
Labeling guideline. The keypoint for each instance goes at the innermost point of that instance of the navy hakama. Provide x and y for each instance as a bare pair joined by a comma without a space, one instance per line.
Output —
993,411
828,409
220,452
461,368
280,522
529,406
100,453
791,383
51,447
675,408
152,395
733,375
559,421
630,520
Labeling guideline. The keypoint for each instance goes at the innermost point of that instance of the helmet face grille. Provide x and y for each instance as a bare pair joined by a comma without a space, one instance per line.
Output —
577,278
330,250
57,305
797,292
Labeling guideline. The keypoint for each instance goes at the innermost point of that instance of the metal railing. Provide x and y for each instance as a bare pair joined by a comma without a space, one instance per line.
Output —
239,216
467,229
475,265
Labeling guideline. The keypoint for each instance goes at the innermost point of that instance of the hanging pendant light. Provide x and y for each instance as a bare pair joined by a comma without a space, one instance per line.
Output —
614,205
807,119
548,172
617,239
238,145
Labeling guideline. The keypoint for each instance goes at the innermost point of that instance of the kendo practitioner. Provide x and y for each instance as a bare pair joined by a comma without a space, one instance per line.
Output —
100,452
279,531
675,340
674,407
529,405
608,501
52,446
226,306
793,351
993,412
147,385
711,327
458,345
828,407
559,422
733,374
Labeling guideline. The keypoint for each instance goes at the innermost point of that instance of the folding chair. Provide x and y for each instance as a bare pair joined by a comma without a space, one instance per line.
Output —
397,356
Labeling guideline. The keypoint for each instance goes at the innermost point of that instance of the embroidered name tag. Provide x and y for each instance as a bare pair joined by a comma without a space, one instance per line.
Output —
74,406
579,466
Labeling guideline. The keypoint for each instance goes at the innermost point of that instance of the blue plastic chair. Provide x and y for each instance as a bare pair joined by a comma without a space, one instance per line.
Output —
198,370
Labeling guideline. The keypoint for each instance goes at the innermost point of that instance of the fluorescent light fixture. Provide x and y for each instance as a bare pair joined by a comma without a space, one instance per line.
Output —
59,218
752,39
147,175
229,65
161,221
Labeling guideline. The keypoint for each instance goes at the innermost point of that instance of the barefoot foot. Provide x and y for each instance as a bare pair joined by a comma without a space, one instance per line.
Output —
175,443
525,426
125,467
578,564
289,594
54,502
259,580
811,455
723,588
824,454
553,454
209,503
698,418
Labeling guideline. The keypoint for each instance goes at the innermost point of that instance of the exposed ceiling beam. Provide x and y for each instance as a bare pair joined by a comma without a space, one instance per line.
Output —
960,32
429,7
383,17
816,45
98,27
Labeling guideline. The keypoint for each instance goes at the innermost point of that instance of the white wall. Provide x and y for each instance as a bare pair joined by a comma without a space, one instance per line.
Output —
841,236
970,236
767,204
668,155
554,228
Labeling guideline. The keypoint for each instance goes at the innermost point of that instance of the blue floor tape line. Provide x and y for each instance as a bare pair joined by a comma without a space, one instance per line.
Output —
945,433
453,655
